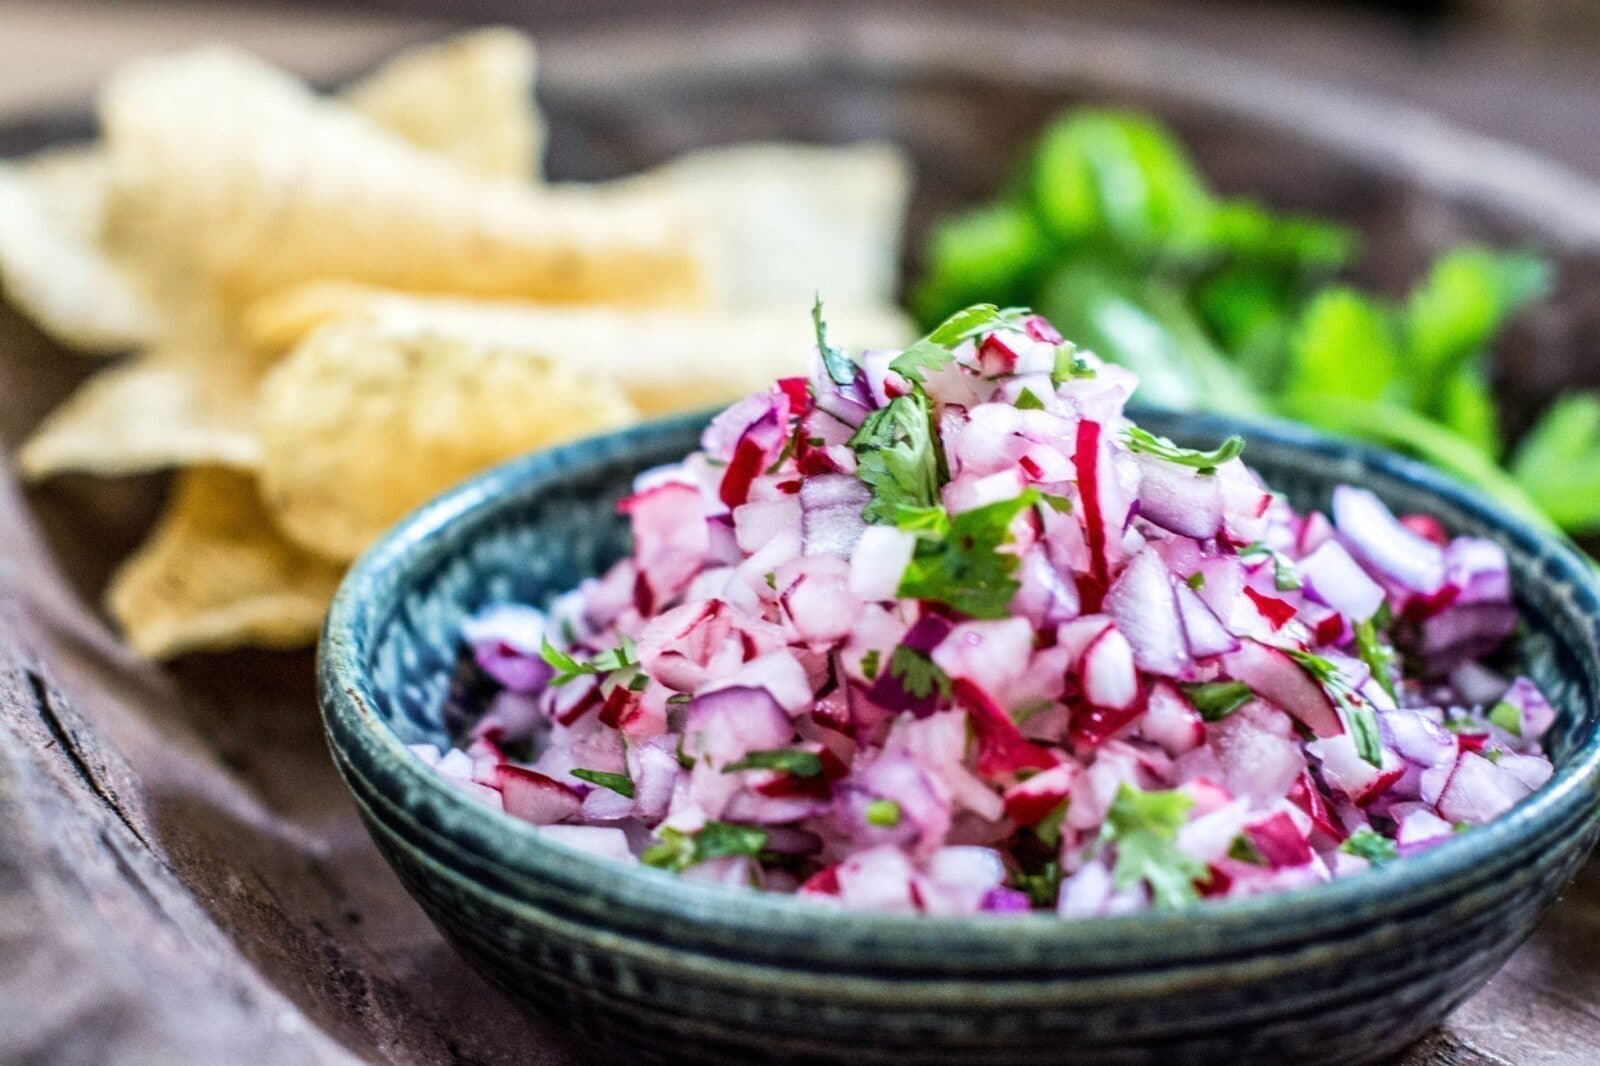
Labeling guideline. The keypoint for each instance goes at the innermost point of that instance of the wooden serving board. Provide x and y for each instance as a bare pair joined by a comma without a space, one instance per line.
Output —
181,877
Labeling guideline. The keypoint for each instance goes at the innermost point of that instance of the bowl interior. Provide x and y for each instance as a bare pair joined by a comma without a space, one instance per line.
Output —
534,528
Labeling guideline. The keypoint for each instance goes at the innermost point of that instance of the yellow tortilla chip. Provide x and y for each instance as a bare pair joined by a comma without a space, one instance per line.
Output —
185,402
787,221
358,429
266,186
468,99
53,267
664,360
215,573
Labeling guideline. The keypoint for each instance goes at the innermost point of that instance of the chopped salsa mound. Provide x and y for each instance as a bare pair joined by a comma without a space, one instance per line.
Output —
942,631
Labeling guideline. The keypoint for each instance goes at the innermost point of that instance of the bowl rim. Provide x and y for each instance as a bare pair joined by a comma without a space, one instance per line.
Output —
504,841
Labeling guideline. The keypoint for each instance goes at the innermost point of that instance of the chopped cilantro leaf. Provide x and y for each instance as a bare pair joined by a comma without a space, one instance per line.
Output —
1049,827
1069,364
897,458
1215,700
1359,716
1370,845
918,674
621,784
1507,716
885,814
1378,656
787,760
966,570
931,522
1144,827
1243,849
1196,580
932,353
678,851
841,368
1041,886
869,664
569,668
1027,401
1284,576
1139,440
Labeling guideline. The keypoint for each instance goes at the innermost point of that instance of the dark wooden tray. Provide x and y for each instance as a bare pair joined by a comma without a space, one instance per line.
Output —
181,877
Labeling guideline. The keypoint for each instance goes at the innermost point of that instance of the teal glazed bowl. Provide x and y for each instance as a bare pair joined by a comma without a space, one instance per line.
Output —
648,968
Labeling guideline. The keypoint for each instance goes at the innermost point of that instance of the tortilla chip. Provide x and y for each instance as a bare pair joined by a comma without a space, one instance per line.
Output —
185,402
787,221
263,186
52,265
664,360
215,574
468,99
358,429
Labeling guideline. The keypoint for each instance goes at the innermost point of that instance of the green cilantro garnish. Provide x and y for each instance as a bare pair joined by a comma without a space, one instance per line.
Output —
1027,401
788,760
927,522
1196,580
1378,656
933,352
1284,576
1049,827
918,674
1359,716
885,814
1243,849
1139,440
1215,700
966,570
1507,716
841,368
1144,827
869,664
1069,364
621,784
678,851
568,668
1372,846
1041,886
897,458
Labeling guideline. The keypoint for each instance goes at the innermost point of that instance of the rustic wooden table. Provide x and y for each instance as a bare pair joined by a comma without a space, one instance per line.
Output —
182,878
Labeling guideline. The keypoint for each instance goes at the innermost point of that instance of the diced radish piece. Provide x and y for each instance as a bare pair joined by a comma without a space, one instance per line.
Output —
1029,801
1326,829
1258,752
1420,828
1279,841
1179,499
1171,721
1087,893
1204,632
992,655
1109,678
879,560
1002,749
878,879
1351,774
535,798
1330,576
1142,604
1274,676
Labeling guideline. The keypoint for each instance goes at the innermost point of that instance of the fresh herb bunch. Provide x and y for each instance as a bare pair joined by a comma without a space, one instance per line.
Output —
1111,232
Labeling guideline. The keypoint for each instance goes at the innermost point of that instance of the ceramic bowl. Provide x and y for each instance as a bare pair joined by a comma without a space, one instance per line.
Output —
648,968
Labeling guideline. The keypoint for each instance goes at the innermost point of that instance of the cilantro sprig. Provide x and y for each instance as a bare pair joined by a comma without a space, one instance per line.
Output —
1370,845
569,668
965,569
1215,700
1360,717
621,784
1142,440
897,458
935,351
840,367
1144,828
677,851
787,760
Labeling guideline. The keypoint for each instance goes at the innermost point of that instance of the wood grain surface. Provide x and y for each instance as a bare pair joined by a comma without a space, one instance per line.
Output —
182,879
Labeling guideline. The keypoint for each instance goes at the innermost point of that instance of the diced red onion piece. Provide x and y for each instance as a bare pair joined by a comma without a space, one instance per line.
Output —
1384,544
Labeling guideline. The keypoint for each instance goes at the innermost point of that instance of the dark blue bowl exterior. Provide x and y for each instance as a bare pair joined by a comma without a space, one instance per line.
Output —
642,964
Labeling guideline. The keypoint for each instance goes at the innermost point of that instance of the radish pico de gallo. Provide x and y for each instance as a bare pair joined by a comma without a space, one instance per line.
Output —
942,631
